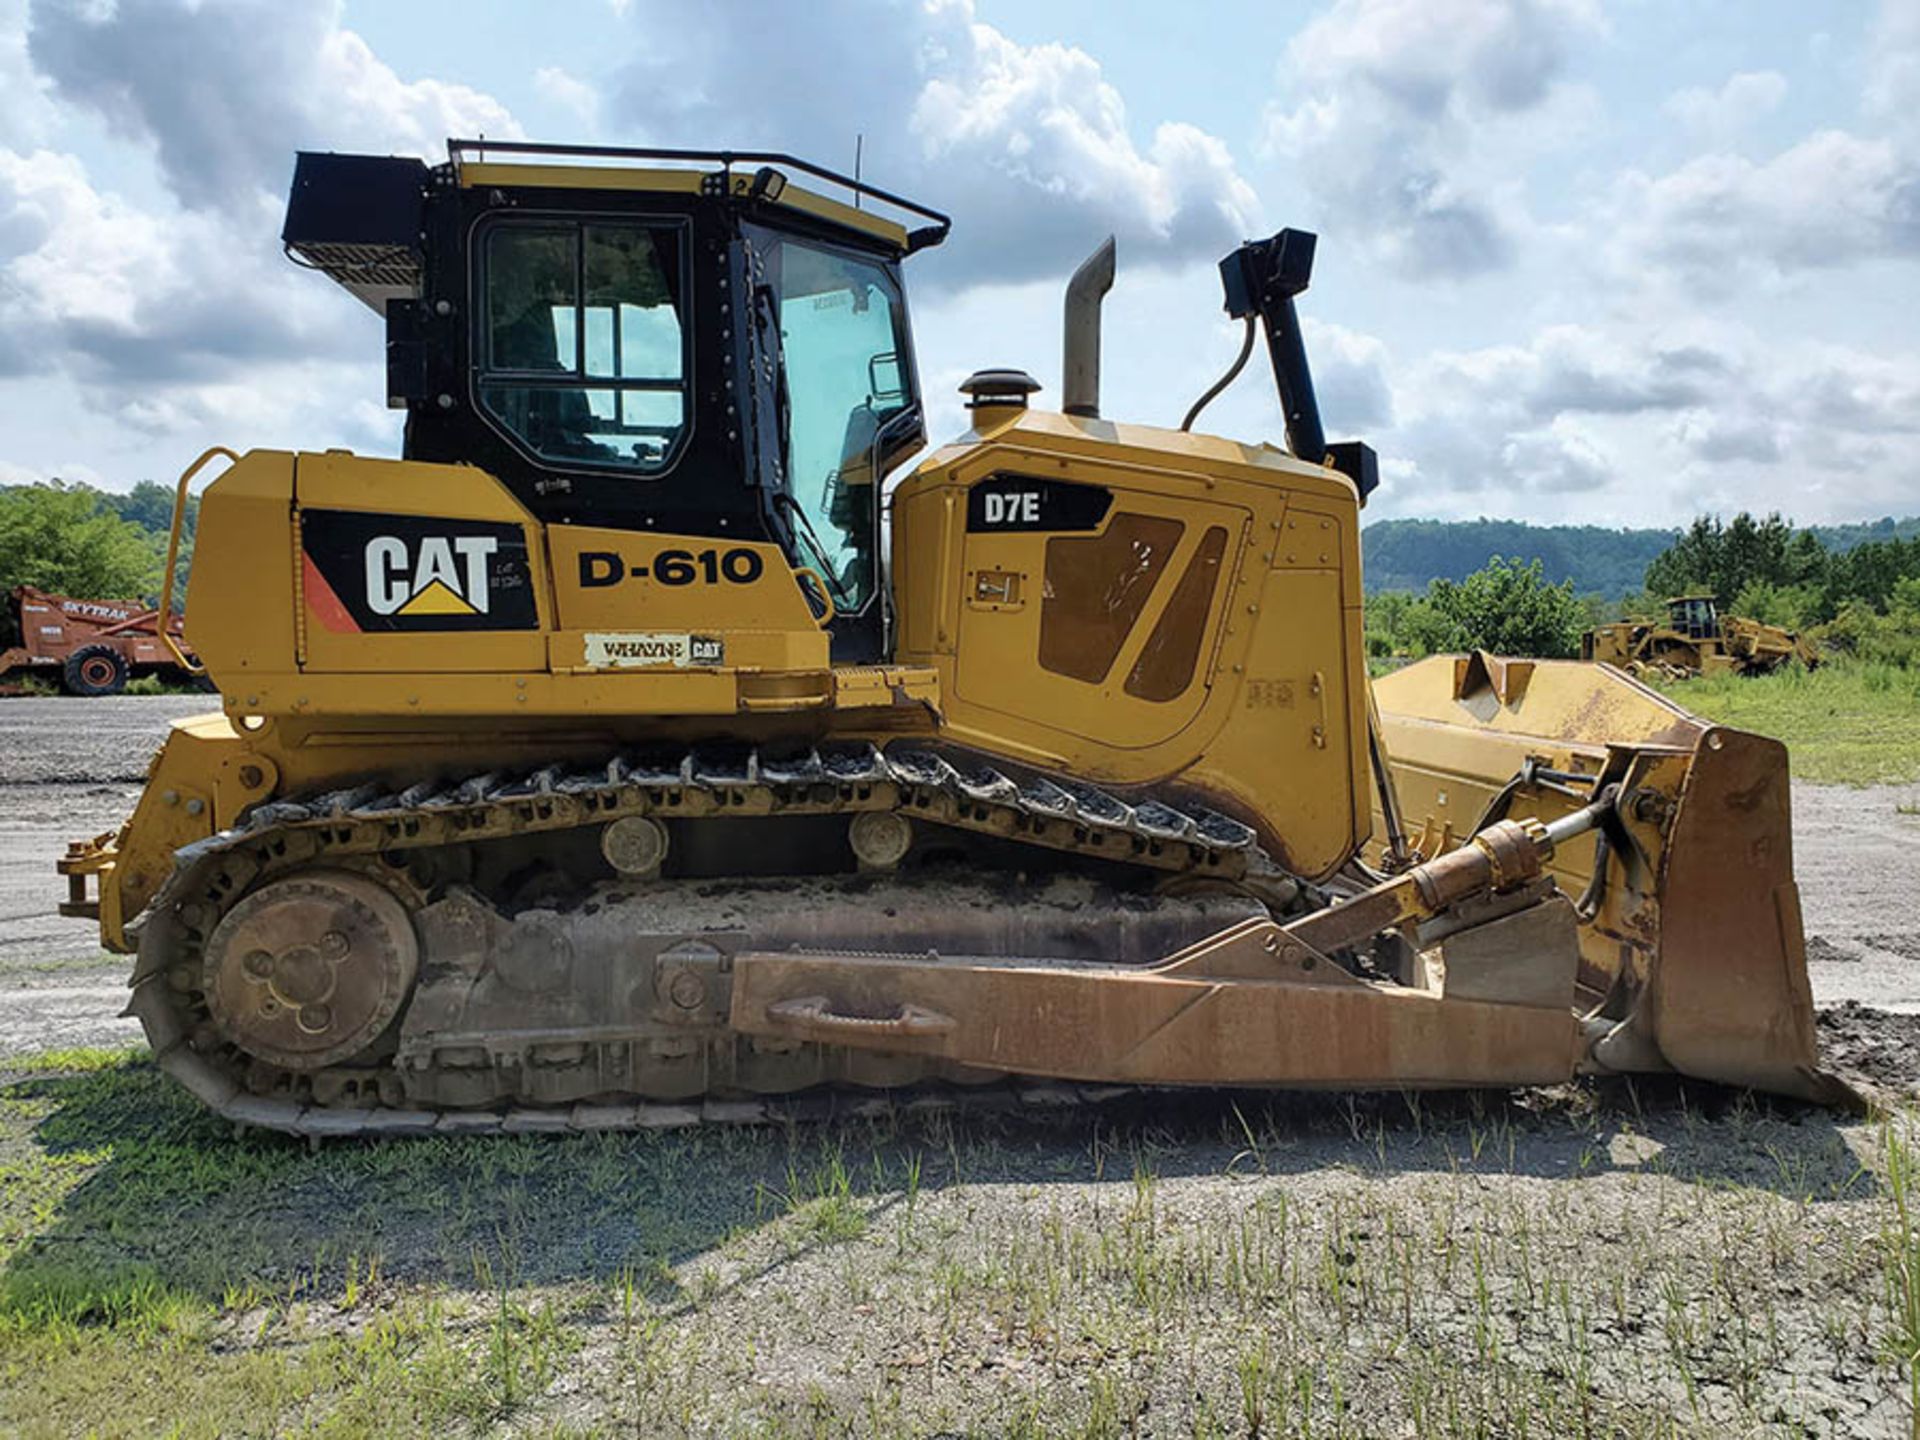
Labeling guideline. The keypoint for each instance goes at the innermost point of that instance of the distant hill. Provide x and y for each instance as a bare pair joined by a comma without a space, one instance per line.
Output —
1409,554
1845,537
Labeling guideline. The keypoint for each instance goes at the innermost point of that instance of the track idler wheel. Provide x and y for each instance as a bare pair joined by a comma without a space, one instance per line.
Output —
307,971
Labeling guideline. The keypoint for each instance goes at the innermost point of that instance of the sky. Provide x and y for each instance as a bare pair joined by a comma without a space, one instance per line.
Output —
1579,262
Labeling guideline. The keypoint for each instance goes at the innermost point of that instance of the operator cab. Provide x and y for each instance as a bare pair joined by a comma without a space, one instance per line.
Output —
645,339
1694,616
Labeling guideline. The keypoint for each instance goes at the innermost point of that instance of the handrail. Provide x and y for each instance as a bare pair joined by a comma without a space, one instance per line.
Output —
825,591
173,555
726,158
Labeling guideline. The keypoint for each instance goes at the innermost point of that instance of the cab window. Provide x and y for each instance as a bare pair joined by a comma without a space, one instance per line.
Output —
582,358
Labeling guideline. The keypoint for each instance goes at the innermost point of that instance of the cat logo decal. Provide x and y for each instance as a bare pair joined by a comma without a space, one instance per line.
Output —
445,575
368,572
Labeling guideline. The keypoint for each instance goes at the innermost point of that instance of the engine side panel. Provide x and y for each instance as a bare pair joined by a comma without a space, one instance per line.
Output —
1144,607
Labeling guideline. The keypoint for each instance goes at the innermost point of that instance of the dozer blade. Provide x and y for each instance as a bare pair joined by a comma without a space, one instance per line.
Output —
1692,953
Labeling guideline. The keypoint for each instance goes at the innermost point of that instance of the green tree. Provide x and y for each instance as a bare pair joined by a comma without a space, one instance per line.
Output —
1794,606
1870,572
1507,607
1723,559
1387,624
62,538
150,506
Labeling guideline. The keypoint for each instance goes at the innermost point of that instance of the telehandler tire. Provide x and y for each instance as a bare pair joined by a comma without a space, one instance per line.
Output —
95,670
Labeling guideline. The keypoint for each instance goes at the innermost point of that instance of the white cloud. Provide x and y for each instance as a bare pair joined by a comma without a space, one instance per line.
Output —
1720,437
1349,378
1614,425
1042,117
1722,117
184,320
1723,222
69,254
1892,95
1028,146
1563,457
1833,199
1407,117
572,94
128,297
226,92
26,114
1417,130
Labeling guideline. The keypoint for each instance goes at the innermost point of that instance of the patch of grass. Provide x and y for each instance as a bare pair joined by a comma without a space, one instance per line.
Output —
420,1367
1603,1262
822,1201
1844,723
79,1060
1900,1239
154,684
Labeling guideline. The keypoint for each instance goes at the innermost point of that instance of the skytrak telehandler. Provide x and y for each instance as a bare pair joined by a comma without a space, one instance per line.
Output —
595,765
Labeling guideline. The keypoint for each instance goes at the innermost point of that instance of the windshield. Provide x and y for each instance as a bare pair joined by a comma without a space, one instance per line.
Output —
843,334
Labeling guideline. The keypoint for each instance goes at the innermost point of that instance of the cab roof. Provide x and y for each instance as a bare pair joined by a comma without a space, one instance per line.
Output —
357,218
761,174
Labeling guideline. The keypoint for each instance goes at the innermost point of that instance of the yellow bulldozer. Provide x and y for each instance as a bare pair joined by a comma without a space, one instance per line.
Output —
654,742
1697,639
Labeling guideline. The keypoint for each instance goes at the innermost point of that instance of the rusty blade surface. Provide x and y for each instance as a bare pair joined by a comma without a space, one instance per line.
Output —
1729,999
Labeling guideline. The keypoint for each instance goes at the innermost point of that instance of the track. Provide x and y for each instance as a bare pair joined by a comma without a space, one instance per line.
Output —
513,1081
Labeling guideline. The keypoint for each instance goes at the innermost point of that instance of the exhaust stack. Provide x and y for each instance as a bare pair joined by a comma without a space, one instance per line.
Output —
1080,364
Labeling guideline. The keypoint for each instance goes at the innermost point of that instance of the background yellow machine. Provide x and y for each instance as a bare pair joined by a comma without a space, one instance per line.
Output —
1697,639
623,745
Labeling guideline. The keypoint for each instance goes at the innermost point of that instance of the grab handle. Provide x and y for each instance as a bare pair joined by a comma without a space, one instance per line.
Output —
165,627
815,1013
806,574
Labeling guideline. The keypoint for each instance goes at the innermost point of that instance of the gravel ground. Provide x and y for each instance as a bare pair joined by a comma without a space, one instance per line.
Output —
68,769
1856,854
85,742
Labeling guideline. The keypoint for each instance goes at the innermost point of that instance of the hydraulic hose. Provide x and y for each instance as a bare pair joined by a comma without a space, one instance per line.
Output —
1233,373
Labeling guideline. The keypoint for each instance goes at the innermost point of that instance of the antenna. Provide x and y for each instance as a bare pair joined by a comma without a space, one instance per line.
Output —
859,146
